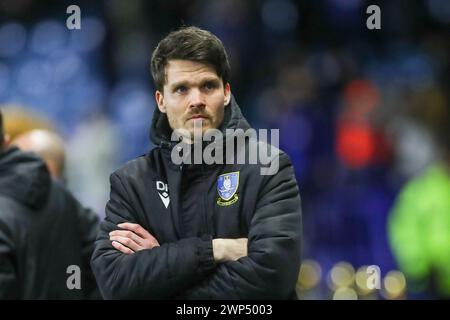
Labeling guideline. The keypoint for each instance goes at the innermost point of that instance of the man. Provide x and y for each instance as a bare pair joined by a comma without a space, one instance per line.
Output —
46,237
47,145
197,231
419,222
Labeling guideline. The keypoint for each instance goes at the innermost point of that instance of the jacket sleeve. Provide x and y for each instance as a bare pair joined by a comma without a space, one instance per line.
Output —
270,270
157,273
8,279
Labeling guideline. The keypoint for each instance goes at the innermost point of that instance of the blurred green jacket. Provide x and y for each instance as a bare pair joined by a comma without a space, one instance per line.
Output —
419,229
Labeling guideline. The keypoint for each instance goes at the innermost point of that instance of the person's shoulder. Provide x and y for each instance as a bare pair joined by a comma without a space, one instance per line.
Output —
10,208
263,147
268,153
137,168
263,160
59,190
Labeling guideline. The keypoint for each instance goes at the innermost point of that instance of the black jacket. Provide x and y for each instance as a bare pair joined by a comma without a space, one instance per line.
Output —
266,210
43,231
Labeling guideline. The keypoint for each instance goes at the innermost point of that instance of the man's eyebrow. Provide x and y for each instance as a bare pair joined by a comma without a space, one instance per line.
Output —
187,82
179,83
210,80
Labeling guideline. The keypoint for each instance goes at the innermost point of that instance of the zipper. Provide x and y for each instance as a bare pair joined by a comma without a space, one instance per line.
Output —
205,212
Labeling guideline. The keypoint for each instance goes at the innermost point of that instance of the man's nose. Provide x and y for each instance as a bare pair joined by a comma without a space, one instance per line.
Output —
196,99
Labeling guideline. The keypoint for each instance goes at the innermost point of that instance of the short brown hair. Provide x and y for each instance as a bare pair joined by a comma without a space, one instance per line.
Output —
189,43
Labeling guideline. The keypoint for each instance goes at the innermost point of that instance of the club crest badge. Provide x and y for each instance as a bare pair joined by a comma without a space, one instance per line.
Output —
227,185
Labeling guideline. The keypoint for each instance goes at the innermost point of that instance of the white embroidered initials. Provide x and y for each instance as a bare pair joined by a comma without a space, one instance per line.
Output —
163,192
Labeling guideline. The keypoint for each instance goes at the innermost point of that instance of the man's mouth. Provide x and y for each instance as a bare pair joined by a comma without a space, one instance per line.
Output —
198,117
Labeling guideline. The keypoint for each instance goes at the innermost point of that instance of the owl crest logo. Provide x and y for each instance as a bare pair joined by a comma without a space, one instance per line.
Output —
227,183
227,186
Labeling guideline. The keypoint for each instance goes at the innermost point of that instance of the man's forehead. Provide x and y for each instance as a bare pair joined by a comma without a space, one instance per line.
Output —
185,70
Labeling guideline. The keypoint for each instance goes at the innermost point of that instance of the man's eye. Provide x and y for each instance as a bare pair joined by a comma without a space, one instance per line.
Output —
181,89
210,85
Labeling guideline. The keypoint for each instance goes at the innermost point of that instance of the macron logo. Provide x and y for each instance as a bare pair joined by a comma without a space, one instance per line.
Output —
163,192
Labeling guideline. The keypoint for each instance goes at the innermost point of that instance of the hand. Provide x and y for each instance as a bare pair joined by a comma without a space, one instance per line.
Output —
132,239
229,249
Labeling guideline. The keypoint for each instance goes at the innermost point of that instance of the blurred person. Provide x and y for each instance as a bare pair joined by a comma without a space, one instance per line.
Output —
170,231
44,232
419,231
19,119
89,165
419,223
48,146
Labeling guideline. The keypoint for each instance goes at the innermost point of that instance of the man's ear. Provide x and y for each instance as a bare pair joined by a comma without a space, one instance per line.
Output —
227,92
160,101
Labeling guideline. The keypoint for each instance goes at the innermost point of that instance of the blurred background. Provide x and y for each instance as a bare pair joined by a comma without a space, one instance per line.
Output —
363,114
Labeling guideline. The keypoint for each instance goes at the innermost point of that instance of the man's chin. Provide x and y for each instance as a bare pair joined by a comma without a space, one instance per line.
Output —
202,130
197,126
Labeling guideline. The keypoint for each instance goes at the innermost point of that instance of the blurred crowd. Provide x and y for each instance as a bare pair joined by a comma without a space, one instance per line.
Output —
363,115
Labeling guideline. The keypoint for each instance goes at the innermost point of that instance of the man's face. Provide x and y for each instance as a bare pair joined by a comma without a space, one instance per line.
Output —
193,93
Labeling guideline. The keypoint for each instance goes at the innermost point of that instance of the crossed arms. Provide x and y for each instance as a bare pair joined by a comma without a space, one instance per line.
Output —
134,238
131,264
